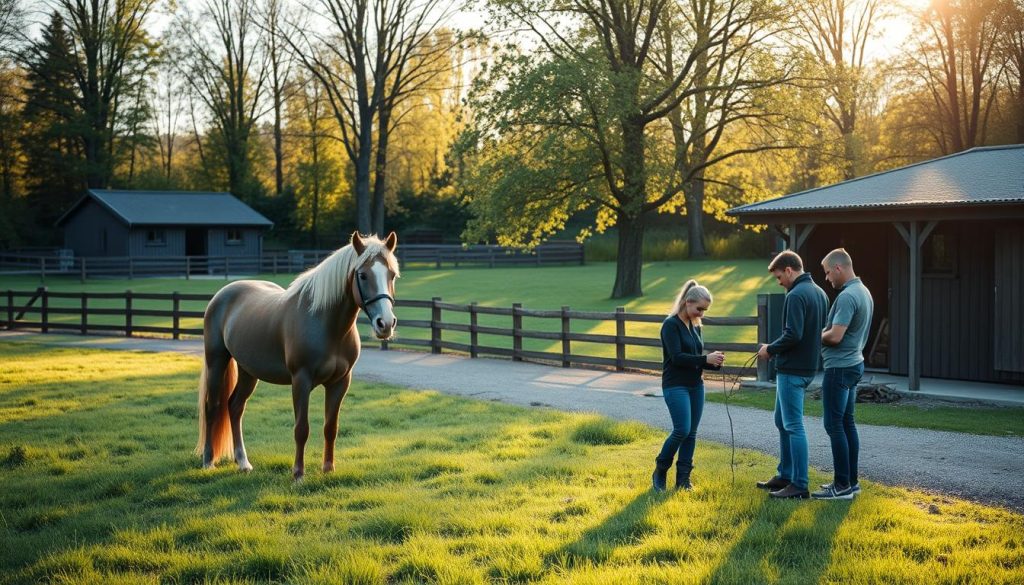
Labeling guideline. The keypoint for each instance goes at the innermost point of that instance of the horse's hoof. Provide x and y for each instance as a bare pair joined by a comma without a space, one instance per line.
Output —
207,465
245,467
328,467
297,474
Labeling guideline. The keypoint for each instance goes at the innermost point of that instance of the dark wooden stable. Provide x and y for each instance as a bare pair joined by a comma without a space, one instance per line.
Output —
940,244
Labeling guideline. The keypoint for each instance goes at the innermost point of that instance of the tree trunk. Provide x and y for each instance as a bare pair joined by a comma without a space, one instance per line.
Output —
695,217
278,146
629,262
363,219
380,170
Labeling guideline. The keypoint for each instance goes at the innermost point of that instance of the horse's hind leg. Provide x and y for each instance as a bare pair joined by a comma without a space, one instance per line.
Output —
236,407
335,394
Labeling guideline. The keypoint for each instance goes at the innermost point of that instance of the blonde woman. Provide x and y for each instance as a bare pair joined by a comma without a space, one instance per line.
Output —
682,382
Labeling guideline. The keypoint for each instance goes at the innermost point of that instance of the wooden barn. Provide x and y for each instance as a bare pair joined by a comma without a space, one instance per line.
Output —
940,244
162,223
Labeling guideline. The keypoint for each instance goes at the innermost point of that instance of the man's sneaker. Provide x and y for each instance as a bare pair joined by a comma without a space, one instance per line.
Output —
854,489
831,492
790,491
775,483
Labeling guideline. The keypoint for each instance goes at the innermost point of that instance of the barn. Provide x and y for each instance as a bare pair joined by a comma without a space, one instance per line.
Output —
940,244
146,224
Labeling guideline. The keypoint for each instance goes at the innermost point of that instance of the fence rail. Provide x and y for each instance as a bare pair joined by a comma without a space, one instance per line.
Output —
131,313
292,261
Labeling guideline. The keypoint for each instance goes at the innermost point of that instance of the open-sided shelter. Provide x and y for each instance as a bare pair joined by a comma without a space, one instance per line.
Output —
940,244
162,223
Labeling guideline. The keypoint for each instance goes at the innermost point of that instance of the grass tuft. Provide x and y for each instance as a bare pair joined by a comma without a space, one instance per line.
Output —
602,431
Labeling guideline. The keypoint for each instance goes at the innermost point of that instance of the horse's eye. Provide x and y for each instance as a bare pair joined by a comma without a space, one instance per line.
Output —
362,276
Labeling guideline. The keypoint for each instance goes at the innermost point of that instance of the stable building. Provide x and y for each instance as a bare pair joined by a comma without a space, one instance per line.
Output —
147,224
940,244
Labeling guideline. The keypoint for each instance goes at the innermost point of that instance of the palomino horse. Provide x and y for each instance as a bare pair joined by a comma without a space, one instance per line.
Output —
303,336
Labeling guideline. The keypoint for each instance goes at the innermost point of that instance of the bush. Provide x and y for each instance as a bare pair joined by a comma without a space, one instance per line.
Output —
661,245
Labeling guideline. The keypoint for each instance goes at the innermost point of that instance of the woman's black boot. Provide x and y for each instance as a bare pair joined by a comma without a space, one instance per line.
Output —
683,477
660,478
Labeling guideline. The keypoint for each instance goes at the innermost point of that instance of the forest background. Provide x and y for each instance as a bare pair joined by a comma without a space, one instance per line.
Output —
507,121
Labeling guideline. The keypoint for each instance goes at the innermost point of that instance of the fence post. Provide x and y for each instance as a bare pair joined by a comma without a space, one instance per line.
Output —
762,335
45,312
473,335
176,317
565,337
274,257
85,313
437,256
490,258
517,337
188,267
435,325
128,313
131,268
83,271
226,268
42,268
10,310
620,334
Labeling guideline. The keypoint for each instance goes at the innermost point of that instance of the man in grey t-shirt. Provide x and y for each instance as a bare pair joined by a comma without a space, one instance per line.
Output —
843,340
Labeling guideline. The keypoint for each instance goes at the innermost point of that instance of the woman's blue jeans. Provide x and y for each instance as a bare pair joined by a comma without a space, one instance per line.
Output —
789,419
838,396
685,406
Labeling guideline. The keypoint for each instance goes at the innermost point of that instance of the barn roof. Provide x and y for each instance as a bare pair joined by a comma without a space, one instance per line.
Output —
194,208
976,177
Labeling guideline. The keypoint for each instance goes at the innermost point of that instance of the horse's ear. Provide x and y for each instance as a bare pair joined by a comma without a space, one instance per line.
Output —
357,243
391,242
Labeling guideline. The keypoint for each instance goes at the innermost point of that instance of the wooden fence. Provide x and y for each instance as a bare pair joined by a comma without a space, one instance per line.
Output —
292,261
182,315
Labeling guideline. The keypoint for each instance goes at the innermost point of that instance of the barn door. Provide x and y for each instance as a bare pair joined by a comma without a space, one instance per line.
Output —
1009,301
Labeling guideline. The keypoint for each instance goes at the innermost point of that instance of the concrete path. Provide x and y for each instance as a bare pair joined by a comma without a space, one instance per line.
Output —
978,468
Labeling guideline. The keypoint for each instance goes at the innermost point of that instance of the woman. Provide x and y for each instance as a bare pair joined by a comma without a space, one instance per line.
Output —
682,382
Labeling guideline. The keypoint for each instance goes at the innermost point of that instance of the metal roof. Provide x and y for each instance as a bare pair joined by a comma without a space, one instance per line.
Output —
979,176
173,208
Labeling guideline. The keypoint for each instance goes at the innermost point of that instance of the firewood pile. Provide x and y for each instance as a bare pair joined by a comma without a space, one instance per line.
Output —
877,393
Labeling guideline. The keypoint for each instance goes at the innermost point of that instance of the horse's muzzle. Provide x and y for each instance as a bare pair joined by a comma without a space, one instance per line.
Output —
383,329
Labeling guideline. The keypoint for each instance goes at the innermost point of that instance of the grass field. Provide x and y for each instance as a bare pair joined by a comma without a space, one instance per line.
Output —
734,284
100,486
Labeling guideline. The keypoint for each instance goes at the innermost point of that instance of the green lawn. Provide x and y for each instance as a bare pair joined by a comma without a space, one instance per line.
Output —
100,486
1000,421
734,285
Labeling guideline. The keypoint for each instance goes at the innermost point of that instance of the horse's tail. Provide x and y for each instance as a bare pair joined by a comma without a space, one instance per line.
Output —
221,431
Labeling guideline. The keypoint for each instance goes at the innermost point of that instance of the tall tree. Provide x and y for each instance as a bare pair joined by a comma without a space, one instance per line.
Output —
226,66
373,55
1012,48
837,33
112,54
11,22
957,63
280,62
581,122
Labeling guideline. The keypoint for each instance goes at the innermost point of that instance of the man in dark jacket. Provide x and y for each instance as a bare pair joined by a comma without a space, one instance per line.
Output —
797,352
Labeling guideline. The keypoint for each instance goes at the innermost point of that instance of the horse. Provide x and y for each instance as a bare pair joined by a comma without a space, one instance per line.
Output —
302,336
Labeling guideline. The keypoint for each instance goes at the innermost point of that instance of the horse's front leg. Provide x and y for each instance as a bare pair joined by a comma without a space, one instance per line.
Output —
301,387
335,394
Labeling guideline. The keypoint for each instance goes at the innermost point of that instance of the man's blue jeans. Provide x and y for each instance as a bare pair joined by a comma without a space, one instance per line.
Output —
685,406
789,419
838,396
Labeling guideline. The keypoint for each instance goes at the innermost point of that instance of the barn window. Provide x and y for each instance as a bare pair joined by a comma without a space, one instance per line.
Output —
234,237
940,254
155,238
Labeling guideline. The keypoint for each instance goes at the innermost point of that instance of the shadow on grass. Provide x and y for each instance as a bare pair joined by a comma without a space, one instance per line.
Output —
627,526
787,541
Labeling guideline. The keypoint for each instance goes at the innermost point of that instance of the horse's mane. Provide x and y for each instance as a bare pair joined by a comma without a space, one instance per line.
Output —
326,283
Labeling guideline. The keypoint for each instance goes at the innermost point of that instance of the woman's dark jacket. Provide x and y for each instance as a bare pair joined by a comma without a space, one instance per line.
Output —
682,350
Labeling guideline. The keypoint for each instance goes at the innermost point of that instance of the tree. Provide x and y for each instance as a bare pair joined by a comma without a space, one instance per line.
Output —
227,70
837,33
374,55
956,62
582,122
112,55
281,63
318,173
1012,49
11,22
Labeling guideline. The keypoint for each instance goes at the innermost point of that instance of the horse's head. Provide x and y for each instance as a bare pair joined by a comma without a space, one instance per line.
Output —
373,285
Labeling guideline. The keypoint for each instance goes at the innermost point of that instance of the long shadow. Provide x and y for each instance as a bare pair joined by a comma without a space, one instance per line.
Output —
787,541
629,525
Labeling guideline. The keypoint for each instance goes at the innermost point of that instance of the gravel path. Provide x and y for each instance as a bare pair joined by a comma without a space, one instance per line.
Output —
974,467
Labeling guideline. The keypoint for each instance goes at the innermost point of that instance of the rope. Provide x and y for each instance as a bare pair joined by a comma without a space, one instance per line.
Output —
731,390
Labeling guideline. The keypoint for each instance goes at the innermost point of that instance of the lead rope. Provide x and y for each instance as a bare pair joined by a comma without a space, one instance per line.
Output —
731,390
